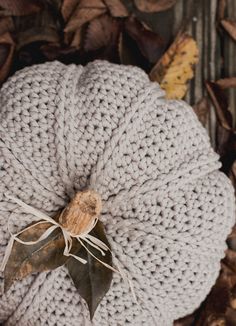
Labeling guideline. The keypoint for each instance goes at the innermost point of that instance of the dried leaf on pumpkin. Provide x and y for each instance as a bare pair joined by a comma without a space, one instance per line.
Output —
93,279
27,259
175,68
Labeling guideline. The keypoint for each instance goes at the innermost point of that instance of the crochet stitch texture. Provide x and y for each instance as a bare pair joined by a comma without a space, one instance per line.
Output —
167,209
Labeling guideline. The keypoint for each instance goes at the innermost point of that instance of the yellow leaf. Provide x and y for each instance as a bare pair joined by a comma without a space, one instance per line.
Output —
175,68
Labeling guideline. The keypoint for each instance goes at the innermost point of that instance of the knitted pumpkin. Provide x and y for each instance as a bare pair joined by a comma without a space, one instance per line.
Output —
166,208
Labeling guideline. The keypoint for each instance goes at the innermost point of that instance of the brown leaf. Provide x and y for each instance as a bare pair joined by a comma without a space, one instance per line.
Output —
186,321
6,25
230,27
227,82
102,32
201,108
220,102
85,12
20,7
221,9
43,256
175,68
230,259
93,279
154,5
116,8
7,47
41,27
150,44
67,8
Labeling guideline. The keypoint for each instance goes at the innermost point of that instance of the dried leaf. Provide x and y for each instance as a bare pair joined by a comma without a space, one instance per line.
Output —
93,279
150,44
7,47
221,9
77,38
201,108
116,8
227,82
230,27
43,256
68,7
101,38
220,102
129,53
6,25
154,5
85,12
20,7
41,27
175,68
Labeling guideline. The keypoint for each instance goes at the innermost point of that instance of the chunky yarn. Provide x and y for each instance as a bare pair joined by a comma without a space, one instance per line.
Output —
167,209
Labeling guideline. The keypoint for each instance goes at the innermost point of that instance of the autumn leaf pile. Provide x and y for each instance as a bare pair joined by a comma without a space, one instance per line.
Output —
79,31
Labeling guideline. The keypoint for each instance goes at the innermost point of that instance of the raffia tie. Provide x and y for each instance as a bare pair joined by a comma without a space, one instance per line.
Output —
75,221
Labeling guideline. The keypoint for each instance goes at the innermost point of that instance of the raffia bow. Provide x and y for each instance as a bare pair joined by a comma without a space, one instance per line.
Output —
76,221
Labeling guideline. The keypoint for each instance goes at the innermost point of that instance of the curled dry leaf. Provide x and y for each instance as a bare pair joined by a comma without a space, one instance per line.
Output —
227,82
201,108
116,8
175,68
220,102
43,256
221,9
93,279
7,47
67,8
230,27
85,12
101,38
41,27
20,7
149,43
154,5
6,25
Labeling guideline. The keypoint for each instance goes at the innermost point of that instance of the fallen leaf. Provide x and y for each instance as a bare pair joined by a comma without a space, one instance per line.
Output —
67,8
41,27
154,5
116,8
221,9
85,12
129,53
7,47
227,82
43,256
101,38
6,25
93,279
220,102
20,7
77,39
230,27
55,51
201,108
175,68
149,43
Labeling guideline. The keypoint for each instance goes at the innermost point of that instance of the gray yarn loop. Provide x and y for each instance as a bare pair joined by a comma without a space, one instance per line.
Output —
167,209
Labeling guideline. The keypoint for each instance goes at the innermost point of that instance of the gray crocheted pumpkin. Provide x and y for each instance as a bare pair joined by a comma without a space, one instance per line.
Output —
166,209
